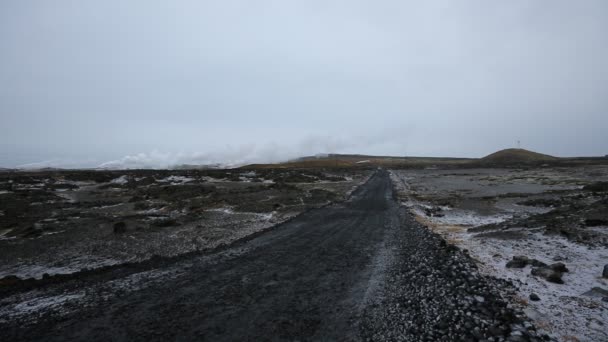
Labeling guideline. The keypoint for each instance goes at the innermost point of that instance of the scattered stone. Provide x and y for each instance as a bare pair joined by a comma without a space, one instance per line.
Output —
120,227
605,272
433,212
521,261
596,292
518,261
9,280
534,297
166,222
595,222
548,274
542,202
596,187
559,267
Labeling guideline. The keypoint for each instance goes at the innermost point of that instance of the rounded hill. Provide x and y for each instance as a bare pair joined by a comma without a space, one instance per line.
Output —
516,155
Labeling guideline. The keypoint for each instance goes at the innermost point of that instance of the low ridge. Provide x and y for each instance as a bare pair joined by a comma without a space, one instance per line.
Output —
517,155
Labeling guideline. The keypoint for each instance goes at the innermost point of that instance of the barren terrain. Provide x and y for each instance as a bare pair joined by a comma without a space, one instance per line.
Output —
545,229
64,222
310,254
358,270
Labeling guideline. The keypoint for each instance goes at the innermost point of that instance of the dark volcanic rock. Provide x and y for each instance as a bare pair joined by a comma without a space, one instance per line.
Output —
521,261
559,267
542,202
120,227
165,222
548,274
596,292
9,280
595,222
301,282
534,297
598,216
596,187
605,272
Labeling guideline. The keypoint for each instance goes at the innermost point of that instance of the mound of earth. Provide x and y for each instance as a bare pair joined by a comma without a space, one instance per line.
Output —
516,155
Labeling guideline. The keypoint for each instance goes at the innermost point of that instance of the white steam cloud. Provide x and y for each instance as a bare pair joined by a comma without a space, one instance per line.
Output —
273,152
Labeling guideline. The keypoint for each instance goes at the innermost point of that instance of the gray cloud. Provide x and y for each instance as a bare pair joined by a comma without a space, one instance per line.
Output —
86,82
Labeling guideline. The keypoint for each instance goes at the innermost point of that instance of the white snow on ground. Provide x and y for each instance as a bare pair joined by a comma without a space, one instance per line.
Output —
230,211
226,210
36,186
176,180
120,180
213,180
35,305
5,192
456,216
70,197
563,311
31,305
153,211
3,234
31,270
109,206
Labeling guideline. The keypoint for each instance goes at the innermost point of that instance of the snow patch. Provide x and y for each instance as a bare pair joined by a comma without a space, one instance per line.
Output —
122,180
176,180
37,304
562,310
36,271
457,217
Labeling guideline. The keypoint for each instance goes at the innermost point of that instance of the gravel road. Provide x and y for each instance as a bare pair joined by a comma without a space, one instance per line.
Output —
358,270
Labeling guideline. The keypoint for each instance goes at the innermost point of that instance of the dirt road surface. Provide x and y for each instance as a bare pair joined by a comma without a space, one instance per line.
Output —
358,270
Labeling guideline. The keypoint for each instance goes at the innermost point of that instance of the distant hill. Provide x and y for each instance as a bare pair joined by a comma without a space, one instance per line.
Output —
516,155
199,167
360,161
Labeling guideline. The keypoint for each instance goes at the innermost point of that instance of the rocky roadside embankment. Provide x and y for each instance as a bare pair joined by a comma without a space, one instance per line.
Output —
557,279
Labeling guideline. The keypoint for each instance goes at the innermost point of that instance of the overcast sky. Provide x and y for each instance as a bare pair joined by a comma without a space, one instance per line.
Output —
152,83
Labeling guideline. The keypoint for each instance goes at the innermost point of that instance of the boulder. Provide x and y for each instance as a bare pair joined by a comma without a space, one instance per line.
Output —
521,261
165,222
518,261
534,297
597,292
9,280
548,274
559,267
120,227
605,272
596,187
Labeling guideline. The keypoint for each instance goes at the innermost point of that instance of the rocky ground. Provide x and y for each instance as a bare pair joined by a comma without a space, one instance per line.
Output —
545,229
61,222
360,270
